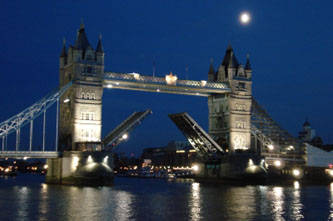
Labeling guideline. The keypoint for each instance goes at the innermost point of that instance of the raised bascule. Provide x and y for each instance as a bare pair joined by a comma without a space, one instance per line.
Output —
242,137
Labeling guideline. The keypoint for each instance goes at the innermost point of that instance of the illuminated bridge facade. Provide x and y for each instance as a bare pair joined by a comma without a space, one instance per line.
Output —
236,121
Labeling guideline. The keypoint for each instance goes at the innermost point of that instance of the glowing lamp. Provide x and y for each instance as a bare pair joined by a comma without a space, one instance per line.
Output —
270,147
90,159
277,163
125,136
296,172
136,76
195,168
171,79
105,160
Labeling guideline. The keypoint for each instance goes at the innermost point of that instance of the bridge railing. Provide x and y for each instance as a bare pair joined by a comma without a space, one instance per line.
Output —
136,77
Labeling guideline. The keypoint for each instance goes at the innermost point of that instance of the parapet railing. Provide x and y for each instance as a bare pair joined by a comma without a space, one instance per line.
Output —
136,77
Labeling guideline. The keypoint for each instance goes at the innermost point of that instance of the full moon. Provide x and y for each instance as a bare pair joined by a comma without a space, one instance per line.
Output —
244,18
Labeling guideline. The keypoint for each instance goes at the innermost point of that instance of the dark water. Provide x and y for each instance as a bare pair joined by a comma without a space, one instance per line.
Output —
28,198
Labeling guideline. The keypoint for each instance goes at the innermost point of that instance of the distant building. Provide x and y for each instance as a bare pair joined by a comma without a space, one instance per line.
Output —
317,157
308,135
179,154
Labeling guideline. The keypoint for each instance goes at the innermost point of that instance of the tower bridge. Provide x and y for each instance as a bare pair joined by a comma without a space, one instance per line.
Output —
237,123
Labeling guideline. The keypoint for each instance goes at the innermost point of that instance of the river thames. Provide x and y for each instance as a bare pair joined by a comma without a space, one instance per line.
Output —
27,197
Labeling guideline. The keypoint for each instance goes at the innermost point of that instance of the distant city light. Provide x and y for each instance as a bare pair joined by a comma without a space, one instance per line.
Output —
45,166
277,163
195,168
180,151
75,163
291,148
125,136
245,18
90,159
270,147
105,160
296,172
329,172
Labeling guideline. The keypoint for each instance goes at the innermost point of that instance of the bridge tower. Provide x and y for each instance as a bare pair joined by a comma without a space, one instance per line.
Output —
80,121
230,114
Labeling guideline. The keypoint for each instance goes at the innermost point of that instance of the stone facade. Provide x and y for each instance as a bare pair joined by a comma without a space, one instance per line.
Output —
80,121
230,114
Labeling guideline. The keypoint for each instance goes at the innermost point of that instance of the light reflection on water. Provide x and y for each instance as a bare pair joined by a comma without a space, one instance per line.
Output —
23,199
277,203
135,199
195,202
331,202
296,206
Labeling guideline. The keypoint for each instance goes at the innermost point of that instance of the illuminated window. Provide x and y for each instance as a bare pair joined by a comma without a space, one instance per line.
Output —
87,116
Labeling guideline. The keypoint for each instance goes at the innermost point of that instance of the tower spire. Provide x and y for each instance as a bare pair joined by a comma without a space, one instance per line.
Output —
230,59
81,40
63,51
99,44
248,65
82,24
211,71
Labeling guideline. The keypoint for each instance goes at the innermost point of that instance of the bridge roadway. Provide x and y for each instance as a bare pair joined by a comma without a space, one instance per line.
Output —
29,154
135,81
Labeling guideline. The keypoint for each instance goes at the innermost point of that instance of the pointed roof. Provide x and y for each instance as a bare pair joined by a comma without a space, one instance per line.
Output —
247,65
211,68
230,59
306,123
81,40
99,45
63,51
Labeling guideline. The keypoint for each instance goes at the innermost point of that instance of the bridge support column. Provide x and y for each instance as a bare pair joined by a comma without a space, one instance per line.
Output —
81,168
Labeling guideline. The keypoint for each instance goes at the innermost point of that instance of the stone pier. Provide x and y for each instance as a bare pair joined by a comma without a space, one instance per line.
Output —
81,168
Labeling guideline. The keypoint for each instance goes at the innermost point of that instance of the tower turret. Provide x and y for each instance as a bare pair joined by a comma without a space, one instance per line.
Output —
100,51
228,66
248,69
211,72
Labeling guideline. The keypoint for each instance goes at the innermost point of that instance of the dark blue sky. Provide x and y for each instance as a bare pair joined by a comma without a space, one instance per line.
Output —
290,43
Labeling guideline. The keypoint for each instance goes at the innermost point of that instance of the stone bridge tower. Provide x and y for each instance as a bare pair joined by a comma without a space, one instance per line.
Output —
230,114
80,121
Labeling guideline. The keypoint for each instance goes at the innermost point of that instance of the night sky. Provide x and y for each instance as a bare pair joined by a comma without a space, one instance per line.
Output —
290,45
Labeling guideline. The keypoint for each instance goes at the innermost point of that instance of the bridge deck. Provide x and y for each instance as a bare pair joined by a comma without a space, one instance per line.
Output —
198,138
139,82
29,154
115,136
